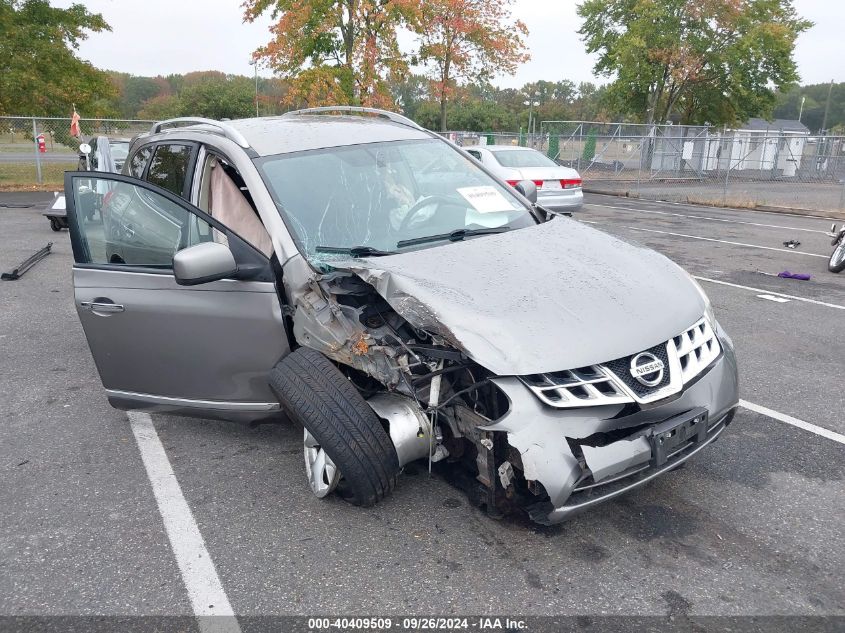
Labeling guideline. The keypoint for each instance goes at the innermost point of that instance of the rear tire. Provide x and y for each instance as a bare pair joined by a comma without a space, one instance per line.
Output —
55,225
837,258
314,392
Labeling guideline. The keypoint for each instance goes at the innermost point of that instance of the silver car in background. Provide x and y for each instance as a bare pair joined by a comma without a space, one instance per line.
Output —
558,187
354,273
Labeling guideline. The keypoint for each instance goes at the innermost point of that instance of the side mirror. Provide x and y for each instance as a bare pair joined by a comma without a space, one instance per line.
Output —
203,263
85,149
528,189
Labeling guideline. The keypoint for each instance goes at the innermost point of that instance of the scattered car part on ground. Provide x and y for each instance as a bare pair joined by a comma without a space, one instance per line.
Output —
792,244
29,262
400,301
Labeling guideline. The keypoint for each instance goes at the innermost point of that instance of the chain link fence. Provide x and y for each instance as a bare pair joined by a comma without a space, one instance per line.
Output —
25,162
740,168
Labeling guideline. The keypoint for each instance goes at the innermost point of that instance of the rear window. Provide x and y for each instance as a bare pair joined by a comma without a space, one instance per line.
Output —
523,158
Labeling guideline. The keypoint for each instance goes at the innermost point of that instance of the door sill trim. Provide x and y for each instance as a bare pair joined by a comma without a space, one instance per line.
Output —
193,404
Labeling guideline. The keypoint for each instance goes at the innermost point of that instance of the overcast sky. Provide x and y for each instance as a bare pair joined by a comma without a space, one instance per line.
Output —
159,37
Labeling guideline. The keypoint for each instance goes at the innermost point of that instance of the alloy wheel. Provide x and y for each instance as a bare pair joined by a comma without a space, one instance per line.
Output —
322,473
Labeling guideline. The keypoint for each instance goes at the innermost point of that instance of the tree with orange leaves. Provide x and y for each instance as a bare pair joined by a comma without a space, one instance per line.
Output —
335,51
471,40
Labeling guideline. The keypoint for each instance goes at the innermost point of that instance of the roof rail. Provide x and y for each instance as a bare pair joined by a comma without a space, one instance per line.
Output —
386,114
228,131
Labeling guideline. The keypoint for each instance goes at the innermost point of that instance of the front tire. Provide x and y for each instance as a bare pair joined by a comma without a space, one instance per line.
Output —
340,422
837,258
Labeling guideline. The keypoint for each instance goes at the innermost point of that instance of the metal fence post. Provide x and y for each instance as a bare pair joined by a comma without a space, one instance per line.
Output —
37,153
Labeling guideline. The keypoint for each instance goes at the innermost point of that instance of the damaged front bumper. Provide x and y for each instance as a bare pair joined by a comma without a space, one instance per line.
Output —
583,457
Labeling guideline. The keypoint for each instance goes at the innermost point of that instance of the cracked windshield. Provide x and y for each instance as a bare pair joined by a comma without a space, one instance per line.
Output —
379,195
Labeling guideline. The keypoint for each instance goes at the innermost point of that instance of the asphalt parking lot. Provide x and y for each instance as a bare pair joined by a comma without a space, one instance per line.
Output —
751,526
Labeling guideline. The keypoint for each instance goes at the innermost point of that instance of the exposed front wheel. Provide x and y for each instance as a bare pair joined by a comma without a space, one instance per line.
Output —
55,224
837,259
345,443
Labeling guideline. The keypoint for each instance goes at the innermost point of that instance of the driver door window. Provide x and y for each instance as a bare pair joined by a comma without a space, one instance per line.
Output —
139,227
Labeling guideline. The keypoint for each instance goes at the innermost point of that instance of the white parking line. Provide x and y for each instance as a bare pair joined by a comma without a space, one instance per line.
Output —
205,590
710,206
770,292
704,217
788,419
713,239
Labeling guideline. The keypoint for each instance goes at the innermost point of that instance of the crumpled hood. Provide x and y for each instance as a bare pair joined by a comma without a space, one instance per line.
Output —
555,296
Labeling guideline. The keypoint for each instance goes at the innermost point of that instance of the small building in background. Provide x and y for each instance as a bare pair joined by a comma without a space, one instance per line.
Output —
766,146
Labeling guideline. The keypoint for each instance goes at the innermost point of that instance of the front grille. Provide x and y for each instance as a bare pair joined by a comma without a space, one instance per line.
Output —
622,368
585,386
684,357
696,347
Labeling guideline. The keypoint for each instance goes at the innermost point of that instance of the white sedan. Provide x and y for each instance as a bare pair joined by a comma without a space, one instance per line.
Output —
558,187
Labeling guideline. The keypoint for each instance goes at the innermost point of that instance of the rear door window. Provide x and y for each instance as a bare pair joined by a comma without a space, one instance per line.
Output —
139,161
169,167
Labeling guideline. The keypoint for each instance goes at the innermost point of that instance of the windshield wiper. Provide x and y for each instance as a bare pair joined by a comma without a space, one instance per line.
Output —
355,251
455,236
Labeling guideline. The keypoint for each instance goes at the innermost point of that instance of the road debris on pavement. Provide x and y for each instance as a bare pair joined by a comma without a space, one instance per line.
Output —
788,275
25,265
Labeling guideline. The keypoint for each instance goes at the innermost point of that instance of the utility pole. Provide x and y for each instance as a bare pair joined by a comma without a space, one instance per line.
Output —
254,63
531,103
826,109
801,109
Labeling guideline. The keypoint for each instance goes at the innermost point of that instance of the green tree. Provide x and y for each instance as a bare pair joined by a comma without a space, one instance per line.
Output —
335,51
409,92
469,40
712,61
815,102
161,107
137,90
40,73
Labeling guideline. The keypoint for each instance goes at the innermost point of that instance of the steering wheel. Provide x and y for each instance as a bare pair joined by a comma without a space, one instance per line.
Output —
425,202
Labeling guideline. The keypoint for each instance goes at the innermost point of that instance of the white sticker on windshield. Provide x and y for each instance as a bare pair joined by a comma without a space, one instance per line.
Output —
485,199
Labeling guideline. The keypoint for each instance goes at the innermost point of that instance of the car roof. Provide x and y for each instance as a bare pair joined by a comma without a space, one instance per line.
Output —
284,134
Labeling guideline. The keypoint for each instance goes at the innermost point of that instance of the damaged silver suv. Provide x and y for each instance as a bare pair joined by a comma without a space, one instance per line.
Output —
355,273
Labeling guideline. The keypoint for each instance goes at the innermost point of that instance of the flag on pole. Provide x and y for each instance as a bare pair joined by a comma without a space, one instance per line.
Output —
74,124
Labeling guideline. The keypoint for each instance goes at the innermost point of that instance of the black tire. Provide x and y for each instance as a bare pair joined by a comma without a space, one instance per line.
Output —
314,392
837,258
55,224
